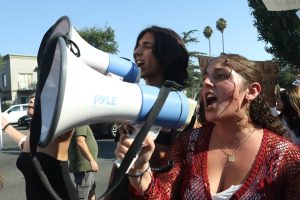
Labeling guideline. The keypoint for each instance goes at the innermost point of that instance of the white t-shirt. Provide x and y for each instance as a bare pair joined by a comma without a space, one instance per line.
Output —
226,194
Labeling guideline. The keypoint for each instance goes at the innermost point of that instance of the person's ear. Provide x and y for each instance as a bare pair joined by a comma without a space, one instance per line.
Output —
254,89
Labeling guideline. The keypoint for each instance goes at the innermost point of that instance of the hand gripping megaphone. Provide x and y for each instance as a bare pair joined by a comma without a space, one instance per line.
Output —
71,94
102,62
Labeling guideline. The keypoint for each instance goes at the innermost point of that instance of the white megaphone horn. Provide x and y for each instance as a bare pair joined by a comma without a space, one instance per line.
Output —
71,94
102,62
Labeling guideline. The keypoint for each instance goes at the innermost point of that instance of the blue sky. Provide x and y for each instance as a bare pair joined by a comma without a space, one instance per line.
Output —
23,23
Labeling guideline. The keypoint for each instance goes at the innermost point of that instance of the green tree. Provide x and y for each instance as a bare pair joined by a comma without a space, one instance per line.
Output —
189,39
280,31
103,39
1,61
221,24
287,75
207,33
194,80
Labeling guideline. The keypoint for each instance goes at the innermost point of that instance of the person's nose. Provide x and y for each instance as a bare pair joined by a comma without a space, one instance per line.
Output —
137,51
207,82
31,100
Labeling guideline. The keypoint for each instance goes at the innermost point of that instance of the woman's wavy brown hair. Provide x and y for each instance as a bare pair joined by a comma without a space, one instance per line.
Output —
259,109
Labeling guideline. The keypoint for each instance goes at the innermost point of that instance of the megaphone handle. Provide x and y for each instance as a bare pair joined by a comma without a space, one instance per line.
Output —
154,131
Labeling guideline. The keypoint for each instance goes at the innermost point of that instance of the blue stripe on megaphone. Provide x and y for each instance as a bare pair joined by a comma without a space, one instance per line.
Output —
124,68
173,114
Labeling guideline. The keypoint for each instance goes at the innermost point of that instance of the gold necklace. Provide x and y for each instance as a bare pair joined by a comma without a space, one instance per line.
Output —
231,156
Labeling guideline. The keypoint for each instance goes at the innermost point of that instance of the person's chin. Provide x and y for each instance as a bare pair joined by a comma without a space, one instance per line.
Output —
210,118
30,112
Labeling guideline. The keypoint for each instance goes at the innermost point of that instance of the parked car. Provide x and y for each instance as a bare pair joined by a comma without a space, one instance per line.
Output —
104,130
13,113
24,121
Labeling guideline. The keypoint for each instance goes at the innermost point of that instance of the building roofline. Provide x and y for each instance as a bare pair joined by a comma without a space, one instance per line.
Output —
18,56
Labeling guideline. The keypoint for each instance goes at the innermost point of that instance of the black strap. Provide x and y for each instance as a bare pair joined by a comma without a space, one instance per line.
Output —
137,143
46,57
44,178
35,132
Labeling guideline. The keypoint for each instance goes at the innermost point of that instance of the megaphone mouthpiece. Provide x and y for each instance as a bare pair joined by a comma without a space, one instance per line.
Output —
127,69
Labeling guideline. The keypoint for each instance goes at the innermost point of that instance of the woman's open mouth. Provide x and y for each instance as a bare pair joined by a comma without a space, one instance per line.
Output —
210,99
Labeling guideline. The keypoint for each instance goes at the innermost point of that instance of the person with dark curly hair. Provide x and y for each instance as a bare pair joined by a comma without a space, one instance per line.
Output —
240,152
161,55
288,103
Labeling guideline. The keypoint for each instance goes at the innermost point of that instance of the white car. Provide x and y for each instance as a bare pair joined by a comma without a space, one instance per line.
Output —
13,113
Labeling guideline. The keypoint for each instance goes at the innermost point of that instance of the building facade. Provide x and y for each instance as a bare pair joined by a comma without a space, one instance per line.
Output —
18,78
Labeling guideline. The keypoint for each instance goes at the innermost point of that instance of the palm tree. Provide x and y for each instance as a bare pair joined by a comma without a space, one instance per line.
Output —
221,24
207,33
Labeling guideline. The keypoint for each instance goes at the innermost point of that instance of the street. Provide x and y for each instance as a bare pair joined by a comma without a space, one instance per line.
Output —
14,184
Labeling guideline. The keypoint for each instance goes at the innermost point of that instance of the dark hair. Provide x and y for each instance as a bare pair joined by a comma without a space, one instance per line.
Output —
291,108
259,109
170,51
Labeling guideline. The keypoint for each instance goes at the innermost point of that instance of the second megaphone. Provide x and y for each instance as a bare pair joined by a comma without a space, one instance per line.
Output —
102,62
72,94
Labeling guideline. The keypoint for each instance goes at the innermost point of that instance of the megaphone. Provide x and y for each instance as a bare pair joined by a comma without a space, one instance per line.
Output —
73,94
102,62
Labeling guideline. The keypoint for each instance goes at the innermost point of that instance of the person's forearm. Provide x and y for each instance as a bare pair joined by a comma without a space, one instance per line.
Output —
16,135
84,149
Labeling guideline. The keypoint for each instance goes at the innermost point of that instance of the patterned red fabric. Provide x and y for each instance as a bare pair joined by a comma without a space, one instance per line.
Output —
275,173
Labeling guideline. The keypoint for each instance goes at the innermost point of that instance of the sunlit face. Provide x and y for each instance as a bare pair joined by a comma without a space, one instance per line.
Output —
30,110
145,59
222,91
